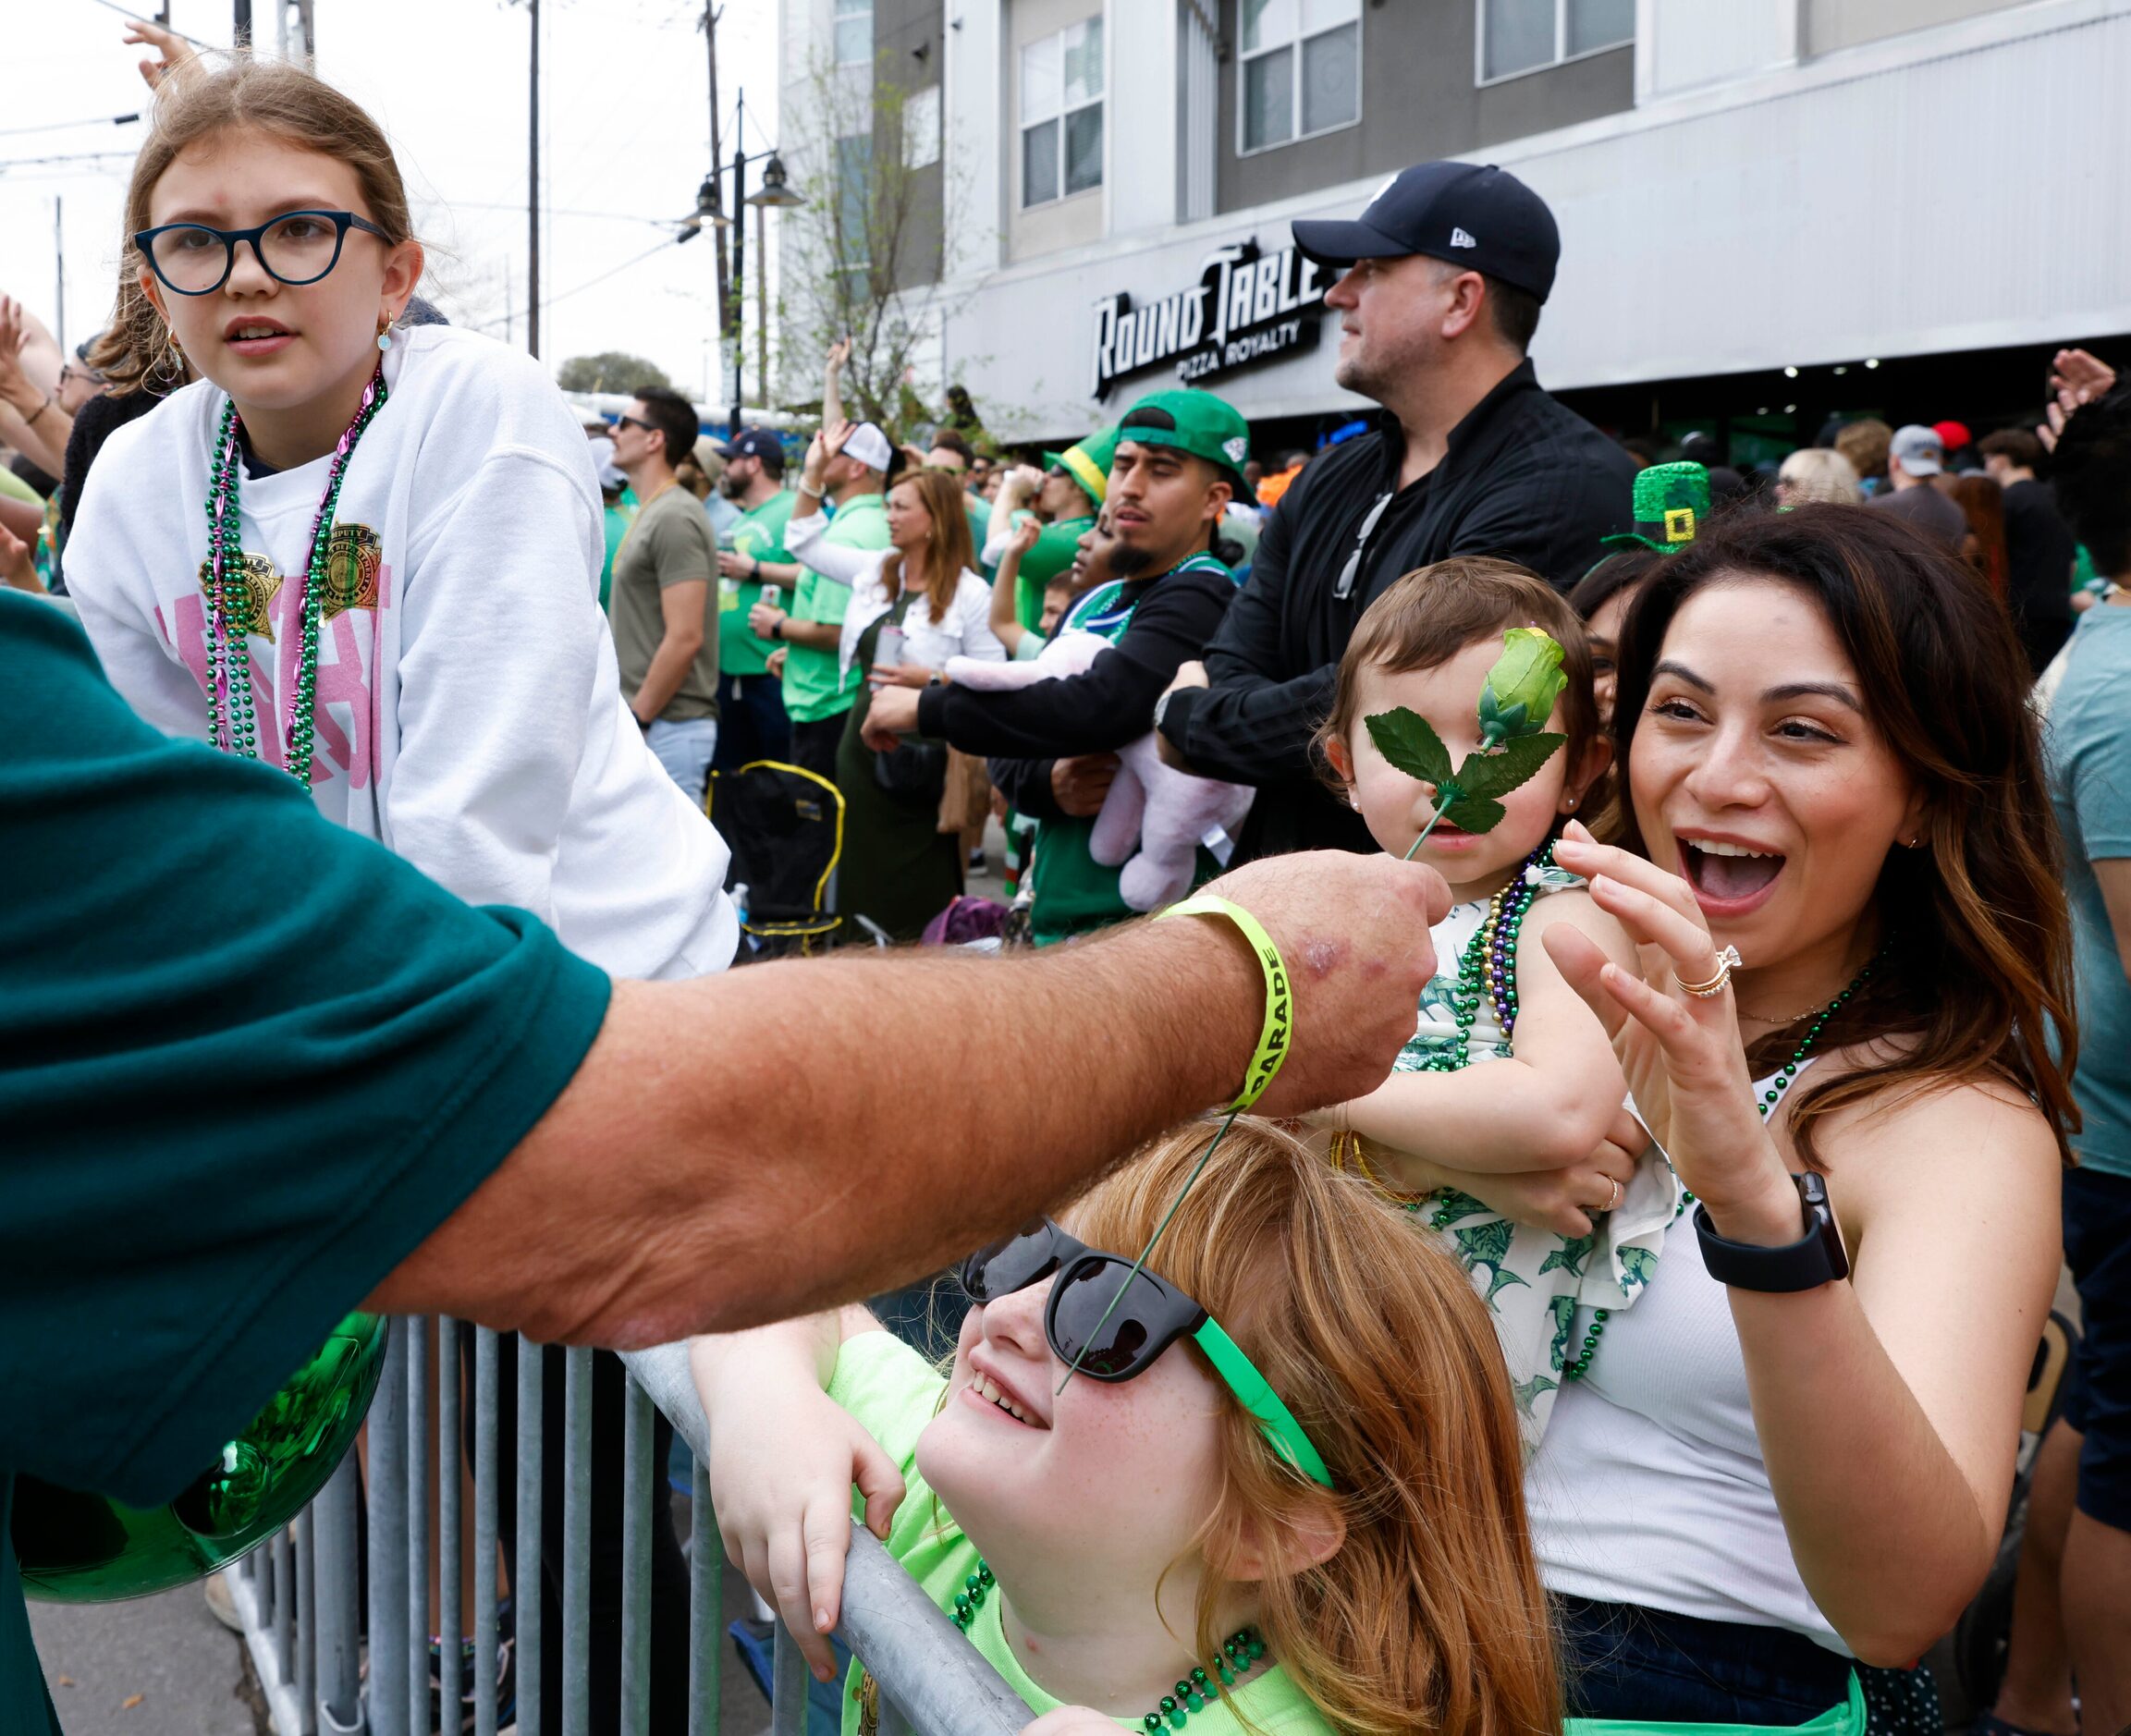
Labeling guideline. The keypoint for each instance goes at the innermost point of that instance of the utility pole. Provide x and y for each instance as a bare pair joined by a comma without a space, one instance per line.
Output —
710,19
240,32
532,198
728,315
59,251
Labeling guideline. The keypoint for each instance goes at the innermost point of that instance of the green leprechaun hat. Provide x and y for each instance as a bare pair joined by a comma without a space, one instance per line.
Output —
1087,462
1672,503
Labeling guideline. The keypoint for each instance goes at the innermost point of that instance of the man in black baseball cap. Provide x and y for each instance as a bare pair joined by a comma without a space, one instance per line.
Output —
1444,272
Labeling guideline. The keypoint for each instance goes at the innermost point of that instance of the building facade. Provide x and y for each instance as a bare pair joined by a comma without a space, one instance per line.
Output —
1770,210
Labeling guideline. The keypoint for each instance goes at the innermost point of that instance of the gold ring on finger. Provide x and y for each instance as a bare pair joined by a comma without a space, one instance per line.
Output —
1609,1205
1728,960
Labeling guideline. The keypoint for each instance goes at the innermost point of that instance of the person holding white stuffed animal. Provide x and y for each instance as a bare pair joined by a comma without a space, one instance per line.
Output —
1055,744
914,605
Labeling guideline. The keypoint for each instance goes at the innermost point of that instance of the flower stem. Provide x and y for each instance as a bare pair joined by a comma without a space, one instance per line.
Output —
1425,831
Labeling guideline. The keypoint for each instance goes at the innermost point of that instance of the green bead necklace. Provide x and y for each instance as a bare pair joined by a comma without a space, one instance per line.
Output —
1770,1099
1241,1652
1488,966
232,724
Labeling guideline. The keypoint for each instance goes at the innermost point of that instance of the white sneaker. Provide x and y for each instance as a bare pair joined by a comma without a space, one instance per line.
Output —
221,1605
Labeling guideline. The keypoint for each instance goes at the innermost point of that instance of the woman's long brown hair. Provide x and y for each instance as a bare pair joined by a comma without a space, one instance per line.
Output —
1429,1616
200,97
1975,976
949,552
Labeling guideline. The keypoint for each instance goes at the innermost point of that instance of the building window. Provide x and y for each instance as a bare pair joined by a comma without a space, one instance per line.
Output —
1301,69
853,32
1523,35
920,127
1061,114
854,201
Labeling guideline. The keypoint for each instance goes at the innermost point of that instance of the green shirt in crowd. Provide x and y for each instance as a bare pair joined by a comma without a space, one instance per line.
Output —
814,686
759,534
669,544
894,1393
227,1119
1053,553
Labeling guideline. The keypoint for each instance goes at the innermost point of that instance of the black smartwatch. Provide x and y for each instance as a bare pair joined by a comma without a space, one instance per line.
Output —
1815,1258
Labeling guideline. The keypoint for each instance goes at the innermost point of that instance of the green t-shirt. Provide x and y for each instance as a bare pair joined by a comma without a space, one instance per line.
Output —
251,1061
894,1392
1053,553
616,519
760,532
669,544
814,686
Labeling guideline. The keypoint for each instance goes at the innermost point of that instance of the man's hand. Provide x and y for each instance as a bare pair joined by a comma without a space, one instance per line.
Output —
775,662
1024,537
732,564
1353,933
1079,785
763,621
892,713
2076,371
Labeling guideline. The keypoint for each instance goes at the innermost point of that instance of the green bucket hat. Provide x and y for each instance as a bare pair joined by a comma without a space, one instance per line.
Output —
1672,504
1198,422
1087,462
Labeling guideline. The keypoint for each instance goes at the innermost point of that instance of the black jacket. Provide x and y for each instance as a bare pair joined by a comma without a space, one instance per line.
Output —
1024,730
1523,478
2040,550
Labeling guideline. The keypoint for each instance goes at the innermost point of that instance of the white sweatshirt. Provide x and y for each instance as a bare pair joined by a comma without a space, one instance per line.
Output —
966,631
469,713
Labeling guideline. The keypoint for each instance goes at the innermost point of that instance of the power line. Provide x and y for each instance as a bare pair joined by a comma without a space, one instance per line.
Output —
60,126
76,156
516,313
142,18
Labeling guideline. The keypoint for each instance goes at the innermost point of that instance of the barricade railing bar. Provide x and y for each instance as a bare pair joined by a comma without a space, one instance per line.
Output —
336,1610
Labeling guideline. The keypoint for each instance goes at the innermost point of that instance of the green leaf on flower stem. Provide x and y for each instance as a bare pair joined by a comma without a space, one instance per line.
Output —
1404,738
1475,813
1497,774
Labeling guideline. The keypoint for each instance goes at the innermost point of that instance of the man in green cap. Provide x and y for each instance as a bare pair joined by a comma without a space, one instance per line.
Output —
1053,746
1672,504
1074,484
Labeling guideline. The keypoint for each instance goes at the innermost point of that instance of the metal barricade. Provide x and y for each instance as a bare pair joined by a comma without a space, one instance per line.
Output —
333,1662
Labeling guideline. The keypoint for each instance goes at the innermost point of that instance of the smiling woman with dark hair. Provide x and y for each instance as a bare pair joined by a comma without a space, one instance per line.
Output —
1793,1455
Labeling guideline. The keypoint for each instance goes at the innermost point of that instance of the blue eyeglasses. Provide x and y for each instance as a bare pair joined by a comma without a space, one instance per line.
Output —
297,248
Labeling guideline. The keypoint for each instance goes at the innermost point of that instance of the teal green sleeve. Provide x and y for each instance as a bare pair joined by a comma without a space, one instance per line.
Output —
251,1061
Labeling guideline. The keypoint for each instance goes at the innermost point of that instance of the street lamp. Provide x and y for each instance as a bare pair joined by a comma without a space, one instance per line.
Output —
776,194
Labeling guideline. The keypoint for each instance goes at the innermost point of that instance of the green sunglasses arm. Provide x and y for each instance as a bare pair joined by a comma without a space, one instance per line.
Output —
1255,1392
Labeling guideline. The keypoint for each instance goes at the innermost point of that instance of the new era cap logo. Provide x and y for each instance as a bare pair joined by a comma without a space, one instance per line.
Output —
1238,448
1461,237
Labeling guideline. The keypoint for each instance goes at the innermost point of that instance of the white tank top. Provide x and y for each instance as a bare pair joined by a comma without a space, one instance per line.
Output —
1649,1486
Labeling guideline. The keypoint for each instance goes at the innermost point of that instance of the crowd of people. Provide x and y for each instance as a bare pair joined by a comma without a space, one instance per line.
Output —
1623,1306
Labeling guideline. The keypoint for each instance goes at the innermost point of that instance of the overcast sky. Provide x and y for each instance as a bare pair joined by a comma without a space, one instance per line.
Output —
625,117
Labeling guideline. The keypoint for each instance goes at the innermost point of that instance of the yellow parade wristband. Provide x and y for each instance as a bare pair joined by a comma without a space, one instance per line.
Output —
1278,1026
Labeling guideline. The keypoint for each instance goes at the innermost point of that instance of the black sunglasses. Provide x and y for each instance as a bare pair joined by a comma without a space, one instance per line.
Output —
297,248
1113,1335
631,421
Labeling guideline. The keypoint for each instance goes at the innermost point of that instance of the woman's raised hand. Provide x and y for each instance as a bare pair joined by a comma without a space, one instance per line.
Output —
169,46
1681,1053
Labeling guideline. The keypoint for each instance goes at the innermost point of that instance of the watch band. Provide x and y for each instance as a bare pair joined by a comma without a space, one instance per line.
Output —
1815,1258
